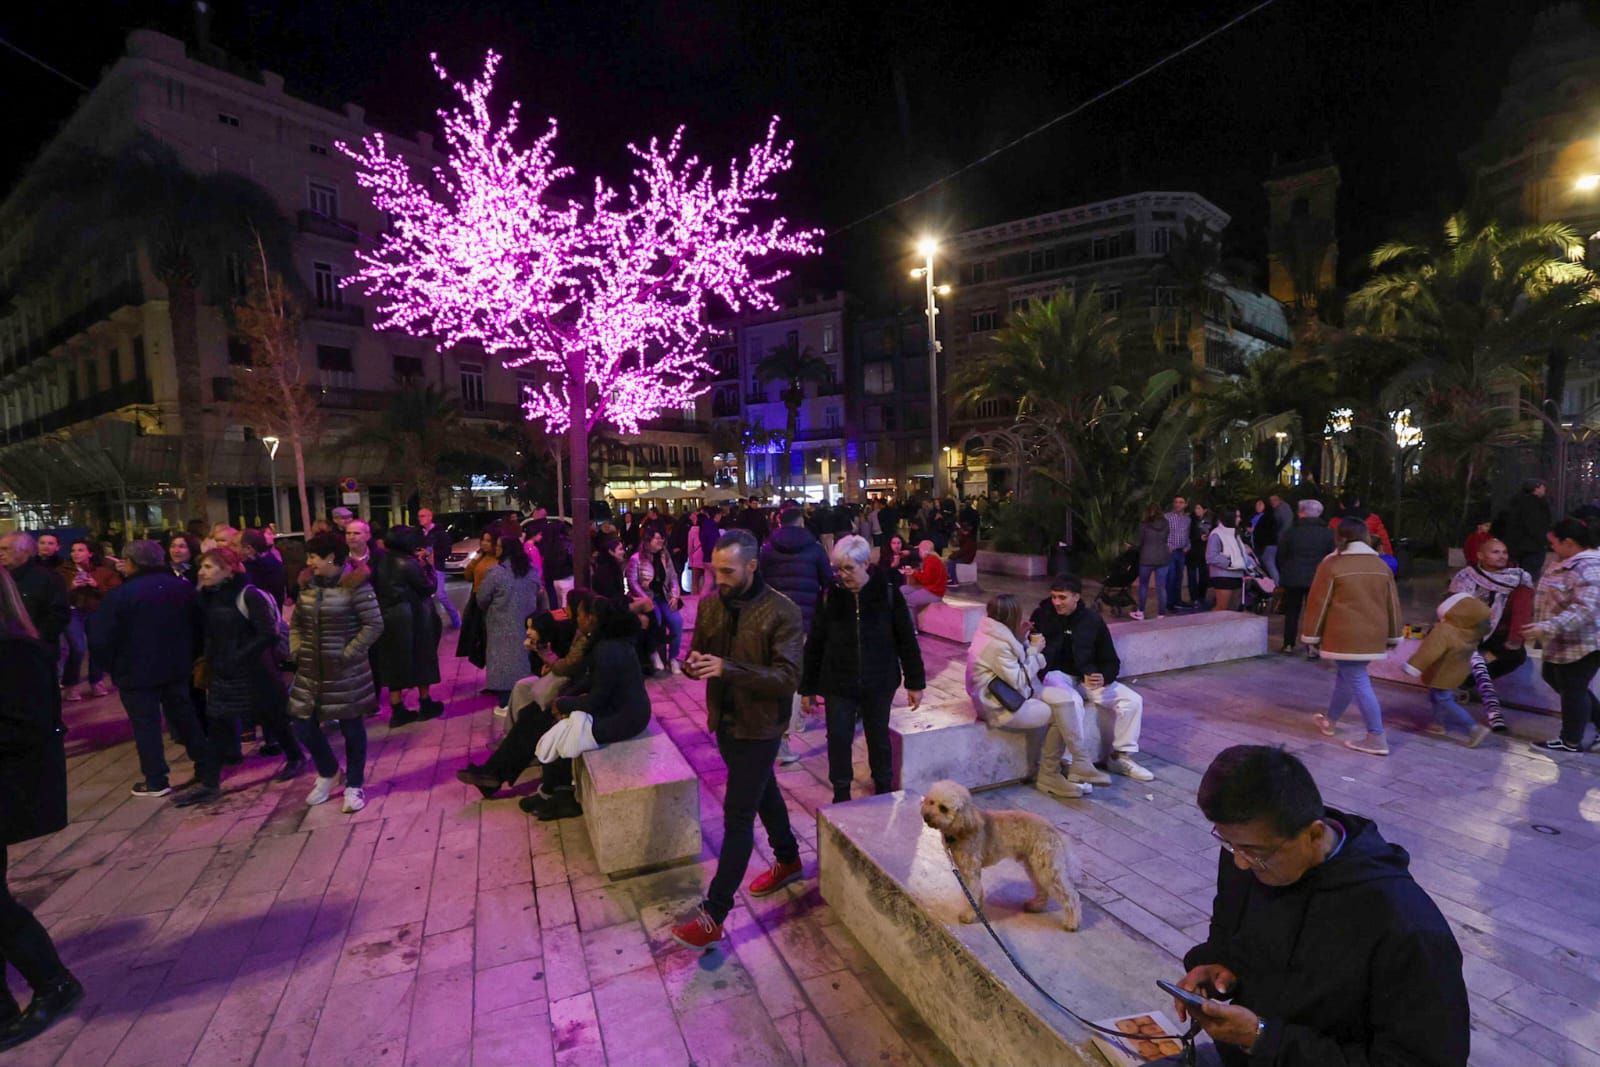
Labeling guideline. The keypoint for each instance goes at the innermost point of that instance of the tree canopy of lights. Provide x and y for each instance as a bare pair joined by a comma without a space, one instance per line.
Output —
607,294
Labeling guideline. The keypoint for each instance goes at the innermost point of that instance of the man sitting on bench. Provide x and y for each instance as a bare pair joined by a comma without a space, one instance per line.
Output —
1080,658
926,583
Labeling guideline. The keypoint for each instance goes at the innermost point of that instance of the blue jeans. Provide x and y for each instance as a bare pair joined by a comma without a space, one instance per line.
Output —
1152,575
78,651
669,619
444,599
1353,683
1176,569
1447,712
145,708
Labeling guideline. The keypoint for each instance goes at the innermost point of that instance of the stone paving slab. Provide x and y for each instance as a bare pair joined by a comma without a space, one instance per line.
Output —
435,928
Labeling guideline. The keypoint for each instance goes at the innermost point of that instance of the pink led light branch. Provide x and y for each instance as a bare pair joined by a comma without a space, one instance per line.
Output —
607,295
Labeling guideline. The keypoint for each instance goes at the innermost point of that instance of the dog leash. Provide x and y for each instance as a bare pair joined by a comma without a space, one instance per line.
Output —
1190,1054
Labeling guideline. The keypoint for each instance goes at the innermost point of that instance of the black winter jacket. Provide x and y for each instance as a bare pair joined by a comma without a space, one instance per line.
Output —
1351,965
1300,548
33,759
1076,644
862,644
1524,523
44,594
145,631
267,574
794,564
239,651
613,692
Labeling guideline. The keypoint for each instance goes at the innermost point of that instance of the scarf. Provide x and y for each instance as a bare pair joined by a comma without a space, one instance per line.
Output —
1492,587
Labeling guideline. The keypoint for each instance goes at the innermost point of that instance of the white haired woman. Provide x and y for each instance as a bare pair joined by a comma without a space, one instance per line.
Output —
861,648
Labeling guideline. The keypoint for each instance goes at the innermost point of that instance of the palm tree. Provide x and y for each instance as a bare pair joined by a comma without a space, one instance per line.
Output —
197,230
793,366
424,433
1481,302
1197,268
1091,399
1279,392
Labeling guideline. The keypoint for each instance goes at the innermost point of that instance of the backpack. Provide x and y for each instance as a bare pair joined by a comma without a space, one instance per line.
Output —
280,648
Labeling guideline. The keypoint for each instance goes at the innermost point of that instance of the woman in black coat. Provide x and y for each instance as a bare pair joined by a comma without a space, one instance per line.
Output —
240,626
861,647
407,654
612,692
33,803
605,577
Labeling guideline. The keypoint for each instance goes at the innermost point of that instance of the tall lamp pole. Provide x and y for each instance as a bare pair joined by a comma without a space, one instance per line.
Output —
272,466
927,248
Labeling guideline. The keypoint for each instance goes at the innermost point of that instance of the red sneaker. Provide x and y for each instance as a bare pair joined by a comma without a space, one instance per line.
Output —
775,879
699,931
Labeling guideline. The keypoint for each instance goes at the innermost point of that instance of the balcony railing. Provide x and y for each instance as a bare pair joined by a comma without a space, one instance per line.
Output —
97,309
344,314
320,225
124,394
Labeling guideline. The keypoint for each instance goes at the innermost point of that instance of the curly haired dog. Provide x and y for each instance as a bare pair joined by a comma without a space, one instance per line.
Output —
975,839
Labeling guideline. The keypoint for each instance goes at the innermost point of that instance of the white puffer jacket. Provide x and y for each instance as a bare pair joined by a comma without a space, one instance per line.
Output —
994,653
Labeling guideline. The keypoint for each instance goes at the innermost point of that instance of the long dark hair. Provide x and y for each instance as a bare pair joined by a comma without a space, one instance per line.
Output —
512,552
615,619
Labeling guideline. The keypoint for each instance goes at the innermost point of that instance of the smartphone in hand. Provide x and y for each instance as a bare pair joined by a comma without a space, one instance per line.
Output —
1190,1000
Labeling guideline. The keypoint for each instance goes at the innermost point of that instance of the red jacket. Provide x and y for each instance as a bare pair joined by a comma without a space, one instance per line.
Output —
931,575
1378,531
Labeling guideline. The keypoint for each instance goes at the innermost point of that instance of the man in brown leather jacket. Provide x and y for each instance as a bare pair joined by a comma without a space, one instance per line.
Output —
747,649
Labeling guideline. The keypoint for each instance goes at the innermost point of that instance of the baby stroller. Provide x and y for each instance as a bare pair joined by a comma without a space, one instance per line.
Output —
1116,592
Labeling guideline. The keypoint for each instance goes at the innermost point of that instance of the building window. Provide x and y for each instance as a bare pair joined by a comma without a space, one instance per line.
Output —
318,149
753,347
326,281
471,387
239,352
527,385
1111,299
791,339
324,199
336,366
830,418
1161,240
1107,247
830,338
1164,296
985,320
408,368
227,119
1041,259
978,273
878,378
672,455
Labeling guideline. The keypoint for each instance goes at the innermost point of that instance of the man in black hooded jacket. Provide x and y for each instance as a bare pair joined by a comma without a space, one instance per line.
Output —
1326,950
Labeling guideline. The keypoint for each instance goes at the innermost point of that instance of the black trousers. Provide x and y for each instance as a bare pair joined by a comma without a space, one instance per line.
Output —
1505,659
25,945
1579,707
516,751
873,713
145,707
1294,602
752,791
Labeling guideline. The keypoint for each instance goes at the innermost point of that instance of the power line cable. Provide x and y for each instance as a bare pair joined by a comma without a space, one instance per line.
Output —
30,57
1064,116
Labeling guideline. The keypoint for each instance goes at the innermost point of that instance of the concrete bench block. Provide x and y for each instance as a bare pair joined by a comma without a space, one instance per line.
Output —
1177,641
641,803
886,876
966,573
953,619
932,743
1016,564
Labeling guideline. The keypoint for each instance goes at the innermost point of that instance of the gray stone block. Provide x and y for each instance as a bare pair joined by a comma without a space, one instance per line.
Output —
641,803
1177,641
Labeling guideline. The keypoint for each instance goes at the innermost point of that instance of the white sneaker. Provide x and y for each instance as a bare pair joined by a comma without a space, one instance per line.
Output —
355,798
1136,615
786,756
321,790
1123,764
675,667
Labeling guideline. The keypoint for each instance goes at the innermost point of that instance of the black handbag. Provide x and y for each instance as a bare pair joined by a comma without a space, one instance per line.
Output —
1006,694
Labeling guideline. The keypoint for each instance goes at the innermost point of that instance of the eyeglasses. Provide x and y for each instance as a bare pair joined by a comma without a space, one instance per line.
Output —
1253,855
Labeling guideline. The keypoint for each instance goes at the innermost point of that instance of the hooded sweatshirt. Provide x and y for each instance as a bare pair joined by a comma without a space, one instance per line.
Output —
1508,592
1444,661
1351,965
796,565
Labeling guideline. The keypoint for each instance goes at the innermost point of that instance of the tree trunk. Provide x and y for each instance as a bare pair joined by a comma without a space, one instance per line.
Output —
561,503
193,472
578,464
300,479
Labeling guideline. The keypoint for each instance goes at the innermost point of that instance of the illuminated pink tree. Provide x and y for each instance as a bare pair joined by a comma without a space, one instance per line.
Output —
607,296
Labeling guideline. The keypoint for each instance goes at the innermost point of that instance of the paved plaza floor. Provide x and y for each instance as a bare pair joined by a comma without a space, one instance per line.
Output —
436,929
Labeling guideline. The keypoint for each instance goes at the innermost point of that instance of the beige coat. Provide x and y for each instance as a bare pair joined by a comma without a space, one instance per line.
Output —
1353,609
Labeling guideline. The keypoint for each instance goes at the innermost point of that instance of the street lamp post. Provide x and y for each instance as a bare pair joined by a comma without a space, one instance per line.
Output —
271,444
928,248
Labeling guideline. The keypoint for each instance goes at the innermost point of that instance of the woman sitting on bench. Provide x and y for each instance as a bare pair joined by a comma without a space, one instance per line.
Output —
611,693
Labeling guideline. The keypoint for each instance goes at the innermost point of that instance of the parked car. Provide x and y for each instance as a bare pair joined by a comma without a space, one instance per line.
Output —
465,527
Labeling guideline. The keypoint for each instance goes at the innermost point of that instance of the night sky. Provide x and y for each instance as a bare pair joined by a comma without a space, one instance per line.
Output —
882,97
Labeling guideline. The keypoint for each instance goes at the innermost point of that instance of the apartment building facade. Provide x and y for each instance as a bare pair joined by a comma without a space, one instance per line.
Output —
89,404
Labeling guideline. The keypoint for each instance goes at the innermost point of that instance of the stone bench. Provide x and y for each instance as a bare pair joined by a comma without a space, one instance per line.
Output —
886,876
641,803
948,741
954,619
1177,641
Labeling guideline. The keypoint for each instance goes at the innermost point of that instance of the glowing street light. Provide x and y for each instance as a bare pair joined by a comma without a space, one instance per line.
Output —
1588,183
271,444
927,248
